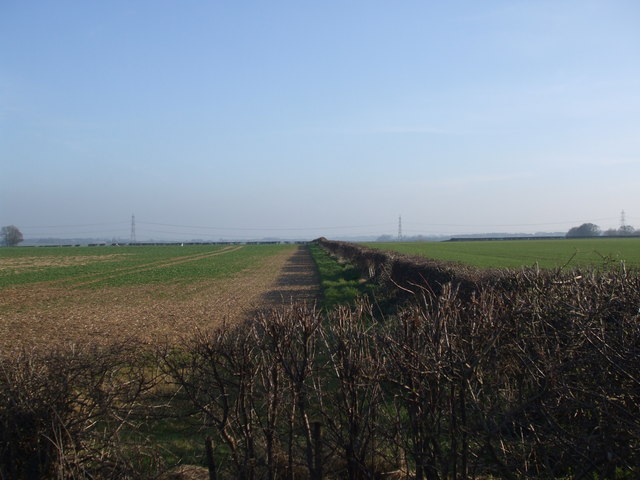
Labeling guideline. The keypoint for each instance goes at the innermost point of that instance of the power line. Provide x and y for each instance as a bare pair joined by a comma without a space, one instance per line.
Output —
264,228
193,231
133,229
120,231
75,226
485,225
192,235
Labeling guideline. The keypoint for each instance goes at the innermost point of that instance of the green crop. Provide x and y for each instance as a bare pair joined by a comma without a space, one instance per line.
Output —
127,265
596,252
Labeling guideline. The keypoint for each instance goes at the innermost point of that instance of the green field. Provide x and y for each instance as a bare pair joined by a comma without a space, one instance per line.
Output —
127,265
597,252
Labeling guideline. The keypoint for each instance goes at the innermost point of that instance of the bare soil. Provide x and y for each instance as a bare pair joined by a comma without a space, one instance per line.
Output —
52,314
27,263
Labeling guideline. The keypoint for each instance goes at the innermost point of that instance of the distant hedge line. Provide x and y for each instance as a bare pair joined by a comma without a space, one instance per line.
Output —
401,274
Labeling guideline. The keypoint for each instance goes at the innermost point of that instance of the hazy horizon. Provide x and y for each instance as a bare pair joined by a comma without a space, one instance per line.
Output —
285,119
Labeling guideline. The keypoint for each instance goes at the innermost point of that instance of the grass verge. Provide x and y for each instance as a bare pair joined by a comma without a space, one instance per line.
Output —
340,281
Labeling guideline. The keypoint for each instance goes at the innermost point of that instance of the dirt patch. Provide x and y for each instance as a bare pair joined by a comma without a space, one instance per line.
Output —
24,263
37,315
298,280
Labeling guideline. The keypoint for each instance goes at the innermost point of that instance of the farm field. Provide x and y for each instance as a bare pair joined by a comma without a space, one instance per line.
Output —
545,350
56,296
519,253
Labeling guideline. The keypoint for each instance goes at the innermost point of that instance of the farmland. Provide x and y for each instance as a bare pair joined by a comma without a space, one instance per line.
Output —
126,265
63,295
445,371
520,253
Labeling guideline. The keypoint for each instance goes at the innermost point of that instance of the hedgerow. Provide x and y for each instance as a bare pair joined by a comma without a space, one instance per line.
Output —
521,374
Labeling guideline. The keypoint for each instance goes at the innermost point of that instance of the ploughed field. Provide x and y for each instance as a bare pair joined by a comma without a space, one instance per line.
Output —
58,296
595,252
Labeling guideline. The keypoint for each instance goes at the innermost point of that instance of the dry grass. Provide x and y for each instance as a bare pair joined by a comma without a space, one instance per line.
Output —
36,262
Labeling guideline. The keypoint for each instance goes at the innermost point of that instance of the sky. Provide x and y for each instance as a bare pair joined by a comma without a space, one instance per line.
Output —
251,119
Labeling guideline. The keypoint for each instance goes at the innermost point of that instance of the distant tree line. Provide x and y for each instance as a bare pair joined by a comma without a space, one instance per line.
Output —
593,230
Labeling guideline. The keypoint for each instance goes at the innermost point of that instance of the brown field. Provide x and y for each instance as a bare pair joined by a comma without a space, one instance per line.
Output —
56,314
23,263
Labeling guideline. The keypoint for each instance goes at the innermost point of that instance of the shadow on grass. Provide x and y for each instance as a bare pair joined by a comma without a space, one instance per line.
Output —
340,281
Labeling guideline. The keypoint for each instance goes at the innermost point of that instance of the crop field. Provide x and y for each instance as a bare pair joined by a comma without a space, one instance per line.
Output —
476,379
63,295
127,265
597,252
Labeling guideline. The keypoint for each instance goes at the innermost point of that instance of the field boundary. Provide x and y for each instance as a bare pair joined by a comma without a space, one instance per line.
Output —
407,275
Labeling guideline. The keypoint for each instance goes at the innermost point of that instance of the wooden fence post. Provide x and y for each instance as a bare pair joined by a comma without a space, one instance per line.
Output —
317,440
208,447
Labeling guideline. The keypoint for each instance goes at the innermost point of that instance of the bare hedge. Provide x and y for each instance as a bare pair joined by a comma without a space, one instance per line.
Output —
528,374
399,275
536,381
62,412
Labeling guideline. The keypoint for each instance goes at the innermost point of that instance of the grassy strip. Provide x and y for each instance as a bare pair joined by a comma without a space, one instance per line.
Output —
340,281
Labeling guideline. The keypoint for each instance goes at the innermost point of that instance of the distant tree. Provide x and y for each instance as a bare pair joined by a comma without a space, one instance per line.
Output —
584,230
11,236
623,231
385,238
626,230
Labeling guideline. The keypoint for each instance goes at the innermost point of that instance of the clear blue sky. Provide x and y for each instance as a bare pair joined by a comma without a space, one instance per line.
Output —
330,118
